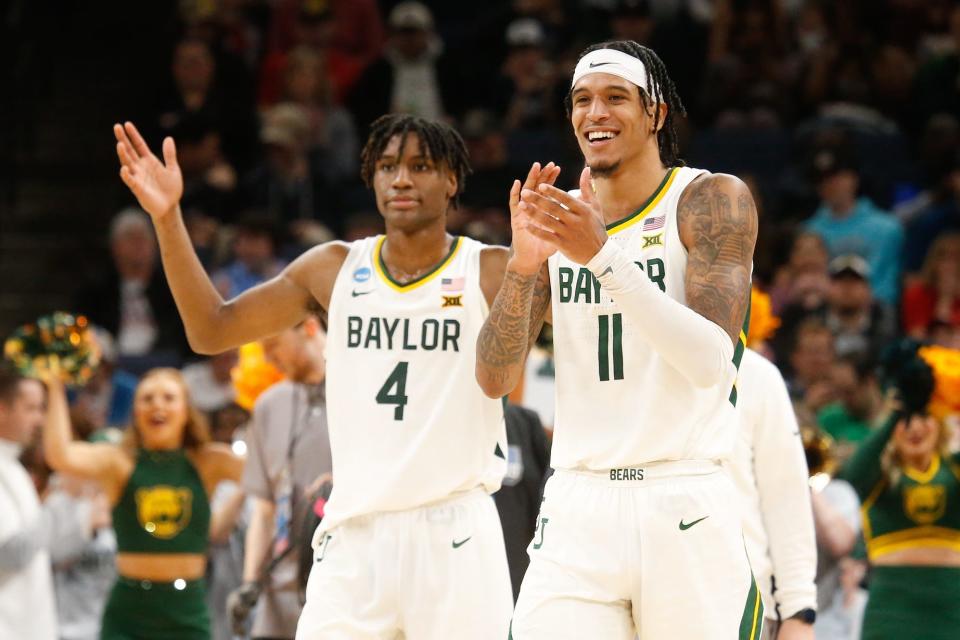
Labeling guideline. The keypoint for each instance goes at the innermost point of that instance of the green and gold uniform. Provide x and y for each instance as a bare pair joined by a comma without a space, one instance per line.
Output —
922,509
164,509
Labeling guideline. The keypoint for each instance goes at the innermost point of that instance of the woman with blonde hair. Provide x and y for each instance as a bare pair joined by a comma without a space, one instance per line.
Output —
159,480
909,484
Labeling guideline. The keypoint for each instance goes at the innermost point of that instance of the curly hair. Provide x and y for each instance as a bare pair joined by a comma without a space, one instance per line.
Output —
440,143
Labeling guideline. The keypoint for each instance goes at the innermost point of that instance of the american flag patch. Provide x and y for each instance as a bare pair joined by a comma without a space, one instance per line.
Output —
451,284
655,222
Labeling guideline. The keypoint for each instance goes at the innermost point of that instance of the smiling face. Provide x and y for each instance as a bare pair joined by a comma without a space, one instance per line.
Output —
612,123
413,191
916,440
160,412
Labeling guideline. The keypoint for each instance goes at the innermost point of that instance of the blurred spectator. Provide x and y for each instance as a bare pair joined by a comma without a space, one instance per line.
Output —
83,576
935,295
355,33
745,84
859,404
209,181
518,500
312,25
197,90
487,146
859,323
107,398
332,141
211,387
29,533
284,185
410,77
850,224
936,87
836,515
525,95
940,216
132,300
938,149
804,279
811,359
289,452
255,260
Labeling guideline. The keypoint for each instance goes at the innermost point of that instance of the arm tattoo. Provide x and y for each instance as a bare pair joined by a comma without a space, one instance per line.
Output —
514,322
720,236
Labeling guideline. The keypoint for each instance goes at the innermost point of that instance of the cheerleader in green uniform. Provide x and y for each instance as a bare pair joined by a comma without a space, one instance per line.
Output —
159,482
909,485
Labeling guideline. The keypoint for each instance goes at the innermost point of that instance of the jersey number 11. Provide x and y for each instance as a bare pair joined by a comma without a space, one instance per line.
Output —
603,347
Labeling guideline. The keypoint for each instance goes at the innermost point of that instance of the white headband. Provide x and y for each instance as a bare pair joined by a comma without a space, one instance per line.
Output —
615,63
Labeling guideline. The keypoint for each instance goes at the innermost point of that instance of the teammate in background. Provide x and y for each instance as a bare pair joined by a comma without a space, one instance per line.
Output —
769,469
640,528
410,542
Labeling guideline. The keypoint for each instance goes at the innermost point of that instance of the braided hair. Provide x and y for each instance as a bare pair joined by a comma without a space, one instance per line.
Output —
659,90
438,141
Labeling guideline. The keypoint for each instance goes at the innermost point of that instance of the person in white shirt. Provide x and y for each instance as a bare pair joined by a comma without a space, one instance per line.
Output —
27,530
770,470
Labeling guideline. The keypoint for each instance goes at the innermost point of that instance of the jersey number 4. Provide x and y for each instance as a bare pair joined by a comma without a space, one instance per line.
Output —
394,390
603,346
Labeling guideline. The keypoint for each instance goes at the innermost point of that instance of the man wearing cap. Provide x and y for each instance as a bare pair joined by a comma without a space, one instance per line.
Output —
645,272
852,225
409,77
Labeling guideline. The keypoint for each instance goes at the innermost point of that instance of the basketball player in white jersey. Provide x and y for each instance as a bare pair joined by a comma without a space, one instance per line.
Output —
646,274
410,544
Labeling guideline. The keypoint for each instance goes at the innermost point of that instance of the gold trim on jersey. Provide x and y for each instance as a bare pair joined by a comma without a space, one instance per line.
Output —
646,207
381,268
923,477
923,537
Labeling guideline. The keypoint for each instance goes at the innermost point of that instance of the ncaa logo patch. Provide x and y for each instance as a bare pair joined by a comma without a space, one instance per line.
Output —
362,274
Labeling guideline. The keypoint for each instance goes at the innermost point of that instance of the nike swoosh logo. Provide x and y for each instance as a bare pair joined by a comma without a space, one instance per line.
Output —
684,527
608,269
457,545
598,64
360,293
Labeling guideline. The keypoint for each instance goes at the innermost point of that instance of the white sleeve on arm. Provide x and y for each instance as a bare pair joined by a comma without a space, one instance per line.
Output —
57,523
696,347
780,468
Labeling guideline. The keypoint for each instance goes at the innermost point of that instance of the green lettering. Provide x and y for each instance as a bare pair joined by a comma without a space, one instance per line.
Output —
354,325
583,287
566,279
373,333
451,334
430,334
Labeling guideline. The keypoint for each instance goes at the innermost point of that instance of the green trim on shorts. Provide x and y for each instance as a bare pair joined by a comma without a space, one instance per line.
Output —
751,622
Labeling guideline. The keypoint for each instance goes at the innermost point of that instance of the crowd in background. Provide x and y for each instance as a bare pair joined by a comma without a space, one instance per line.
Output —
842,118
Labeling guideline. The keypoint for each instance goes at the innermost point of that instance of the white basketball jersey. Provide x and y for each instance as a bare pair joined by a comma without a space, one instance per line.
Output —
620,404
409,425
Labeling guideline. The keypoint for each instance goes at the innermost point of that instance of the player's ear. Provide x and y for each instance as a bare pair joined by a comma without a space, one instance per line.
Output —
452,184
663,109
311,326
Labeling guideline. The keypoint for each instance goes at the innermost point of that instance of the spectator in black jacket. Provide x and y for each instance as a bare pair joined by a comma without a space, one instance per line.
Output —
132,299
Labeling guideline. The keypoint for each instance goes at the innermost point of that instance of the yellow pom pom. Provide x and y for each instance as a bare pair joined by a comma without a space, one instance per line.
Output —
763,324
945,363
253,375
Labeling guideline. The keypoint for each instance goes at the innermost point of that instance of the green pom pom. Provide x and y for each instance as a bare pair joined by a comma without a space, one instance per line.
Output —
59,342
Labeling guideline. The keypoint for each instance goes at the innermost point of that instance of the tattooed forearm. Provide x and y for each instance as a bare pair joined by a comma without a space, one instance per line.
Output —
510,329
718,225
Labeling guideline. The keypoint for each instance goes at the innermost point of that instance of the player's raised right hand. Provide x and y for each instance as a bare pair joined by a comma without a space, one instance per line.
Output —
529,252
157,185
